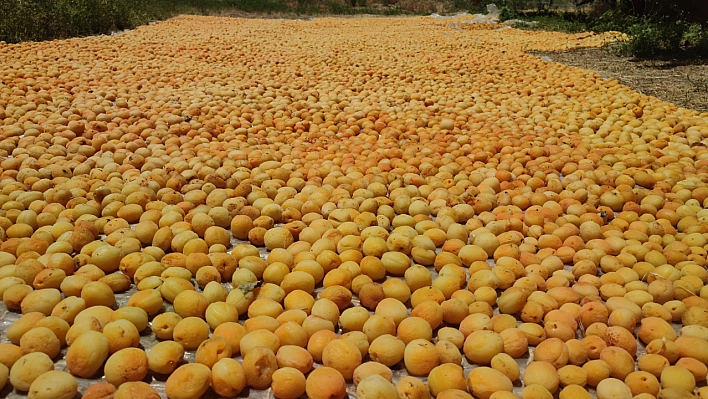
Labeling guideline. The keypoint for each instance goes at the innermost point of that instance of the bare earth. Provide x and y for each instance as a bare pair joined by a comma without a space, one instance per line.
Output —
682,84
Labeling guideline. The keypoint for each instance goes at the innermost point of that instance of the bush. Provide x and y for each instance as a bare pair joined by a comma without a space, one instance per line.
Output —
666,39
612,20
651,39
41,20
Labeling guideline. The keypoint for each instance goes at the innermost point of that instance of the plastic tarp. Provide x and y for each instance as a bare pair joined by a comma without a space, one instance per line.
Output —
462,14
491,17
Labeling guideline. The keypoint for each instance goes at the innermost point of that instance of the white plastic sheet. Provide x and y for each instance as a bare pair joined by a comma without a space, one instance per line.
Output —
491,17
462,14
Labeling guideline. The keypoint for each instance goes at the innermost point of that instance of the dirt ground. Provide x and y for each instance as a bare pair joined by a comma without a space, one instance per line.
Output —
681,83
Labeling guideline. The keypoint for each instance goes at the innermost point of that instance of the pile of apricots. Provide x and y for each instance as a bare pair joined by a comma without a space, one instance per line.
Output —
379,207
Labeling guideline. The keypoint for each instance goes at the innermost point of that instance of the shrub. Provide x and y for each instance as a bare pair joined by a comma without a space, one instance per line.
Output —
42,20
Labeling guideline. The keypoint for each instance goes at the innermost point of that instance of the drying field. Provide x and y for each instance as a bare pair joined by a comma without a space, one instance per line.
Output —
384,208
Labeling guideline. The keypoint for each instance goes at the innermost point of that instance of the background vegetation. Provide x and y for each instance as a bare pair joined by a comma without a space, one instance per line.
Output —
22,20
659,28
